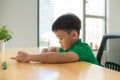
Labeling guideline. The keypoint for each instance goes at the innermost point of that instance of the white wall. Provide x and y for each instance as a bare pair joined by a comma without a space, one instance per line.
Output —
21,17
114,16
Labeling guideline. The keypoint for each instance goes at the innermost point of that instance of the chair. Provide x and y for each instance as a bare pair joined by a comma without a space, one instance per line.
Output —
112,66
102,46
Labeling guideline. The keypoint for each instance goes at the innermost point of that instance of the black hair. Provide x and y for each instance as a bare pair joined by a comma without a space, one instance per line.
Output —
67,22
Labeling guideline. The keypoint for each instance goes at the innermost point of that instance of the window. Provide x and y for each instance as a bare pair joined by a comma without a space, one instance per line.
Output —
94,22
91,13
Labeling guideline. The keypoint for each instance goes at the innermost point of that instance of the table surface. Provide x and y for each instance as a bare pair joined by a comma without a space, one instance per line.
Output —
42,71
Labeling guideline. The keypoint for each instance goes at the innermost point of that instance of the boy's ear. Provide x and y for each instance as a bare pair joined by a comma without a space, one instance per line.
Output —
74,34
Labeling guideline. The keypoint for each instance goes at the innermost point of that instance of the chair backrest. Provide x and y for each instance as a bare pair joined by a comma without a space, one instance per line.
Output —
103,44
112,66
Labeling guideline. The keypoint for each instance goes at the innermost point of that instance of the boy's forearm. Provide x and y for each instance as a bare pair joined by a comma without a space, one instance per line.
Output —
45,57
54,57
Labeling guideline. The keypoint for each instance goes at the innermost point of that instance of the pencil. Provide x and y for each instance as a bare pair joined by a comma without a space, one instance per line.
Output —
49,45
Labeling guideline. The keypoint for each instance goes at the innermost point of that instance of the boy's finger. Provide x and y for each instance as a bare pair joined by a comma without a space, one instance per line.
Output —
13,57
19,52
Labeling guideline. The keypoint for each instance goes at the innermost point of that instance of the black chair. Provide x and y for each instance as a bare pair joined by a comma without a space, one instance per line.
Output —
103,44
112,66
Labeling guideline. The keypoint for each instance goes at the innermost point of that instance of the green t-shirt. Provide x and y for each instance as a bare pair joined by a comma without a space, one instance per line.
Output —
83,50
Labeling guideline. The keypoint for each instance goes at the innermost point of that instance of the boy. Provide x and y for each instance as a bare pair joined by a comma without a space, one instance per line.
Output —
67,29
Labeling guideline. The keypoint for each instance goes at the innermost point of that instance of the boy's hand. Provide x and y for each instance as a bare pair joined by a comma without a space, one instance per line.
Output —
51,49
44,50
22,57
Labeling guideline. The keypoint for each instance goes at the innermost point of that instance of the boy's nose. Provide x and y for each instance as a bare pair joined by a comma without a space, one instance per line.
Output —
59,41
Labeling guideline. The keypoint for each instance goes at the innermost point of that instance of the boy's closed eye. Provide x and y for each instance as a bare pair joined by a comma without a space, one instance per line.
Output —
60,38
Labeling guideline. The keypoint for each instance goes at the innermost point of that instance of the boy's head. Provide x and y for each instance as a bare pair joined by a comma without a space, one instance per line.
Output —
67,22
67,28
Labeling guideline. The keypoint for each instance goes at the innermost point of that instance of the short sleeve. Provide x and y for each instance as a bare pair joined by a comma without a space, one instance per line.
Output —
61,50
82,53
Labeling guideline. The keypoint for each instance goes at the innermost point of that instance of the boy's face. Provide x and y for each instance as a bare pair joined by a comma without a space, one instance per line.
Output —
65,39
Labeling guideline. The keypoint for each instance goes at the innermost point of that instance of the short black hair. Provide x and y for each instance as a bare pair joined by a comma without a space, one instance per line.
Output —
67,22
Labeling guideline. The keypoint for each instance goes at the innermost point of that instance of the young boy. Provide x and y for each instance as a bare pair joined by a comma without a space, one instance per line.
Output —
67,29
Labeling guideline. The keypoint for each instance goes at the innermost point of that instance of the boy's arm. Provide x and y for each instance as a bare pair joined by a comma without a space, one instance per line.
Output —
50,57
55,57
